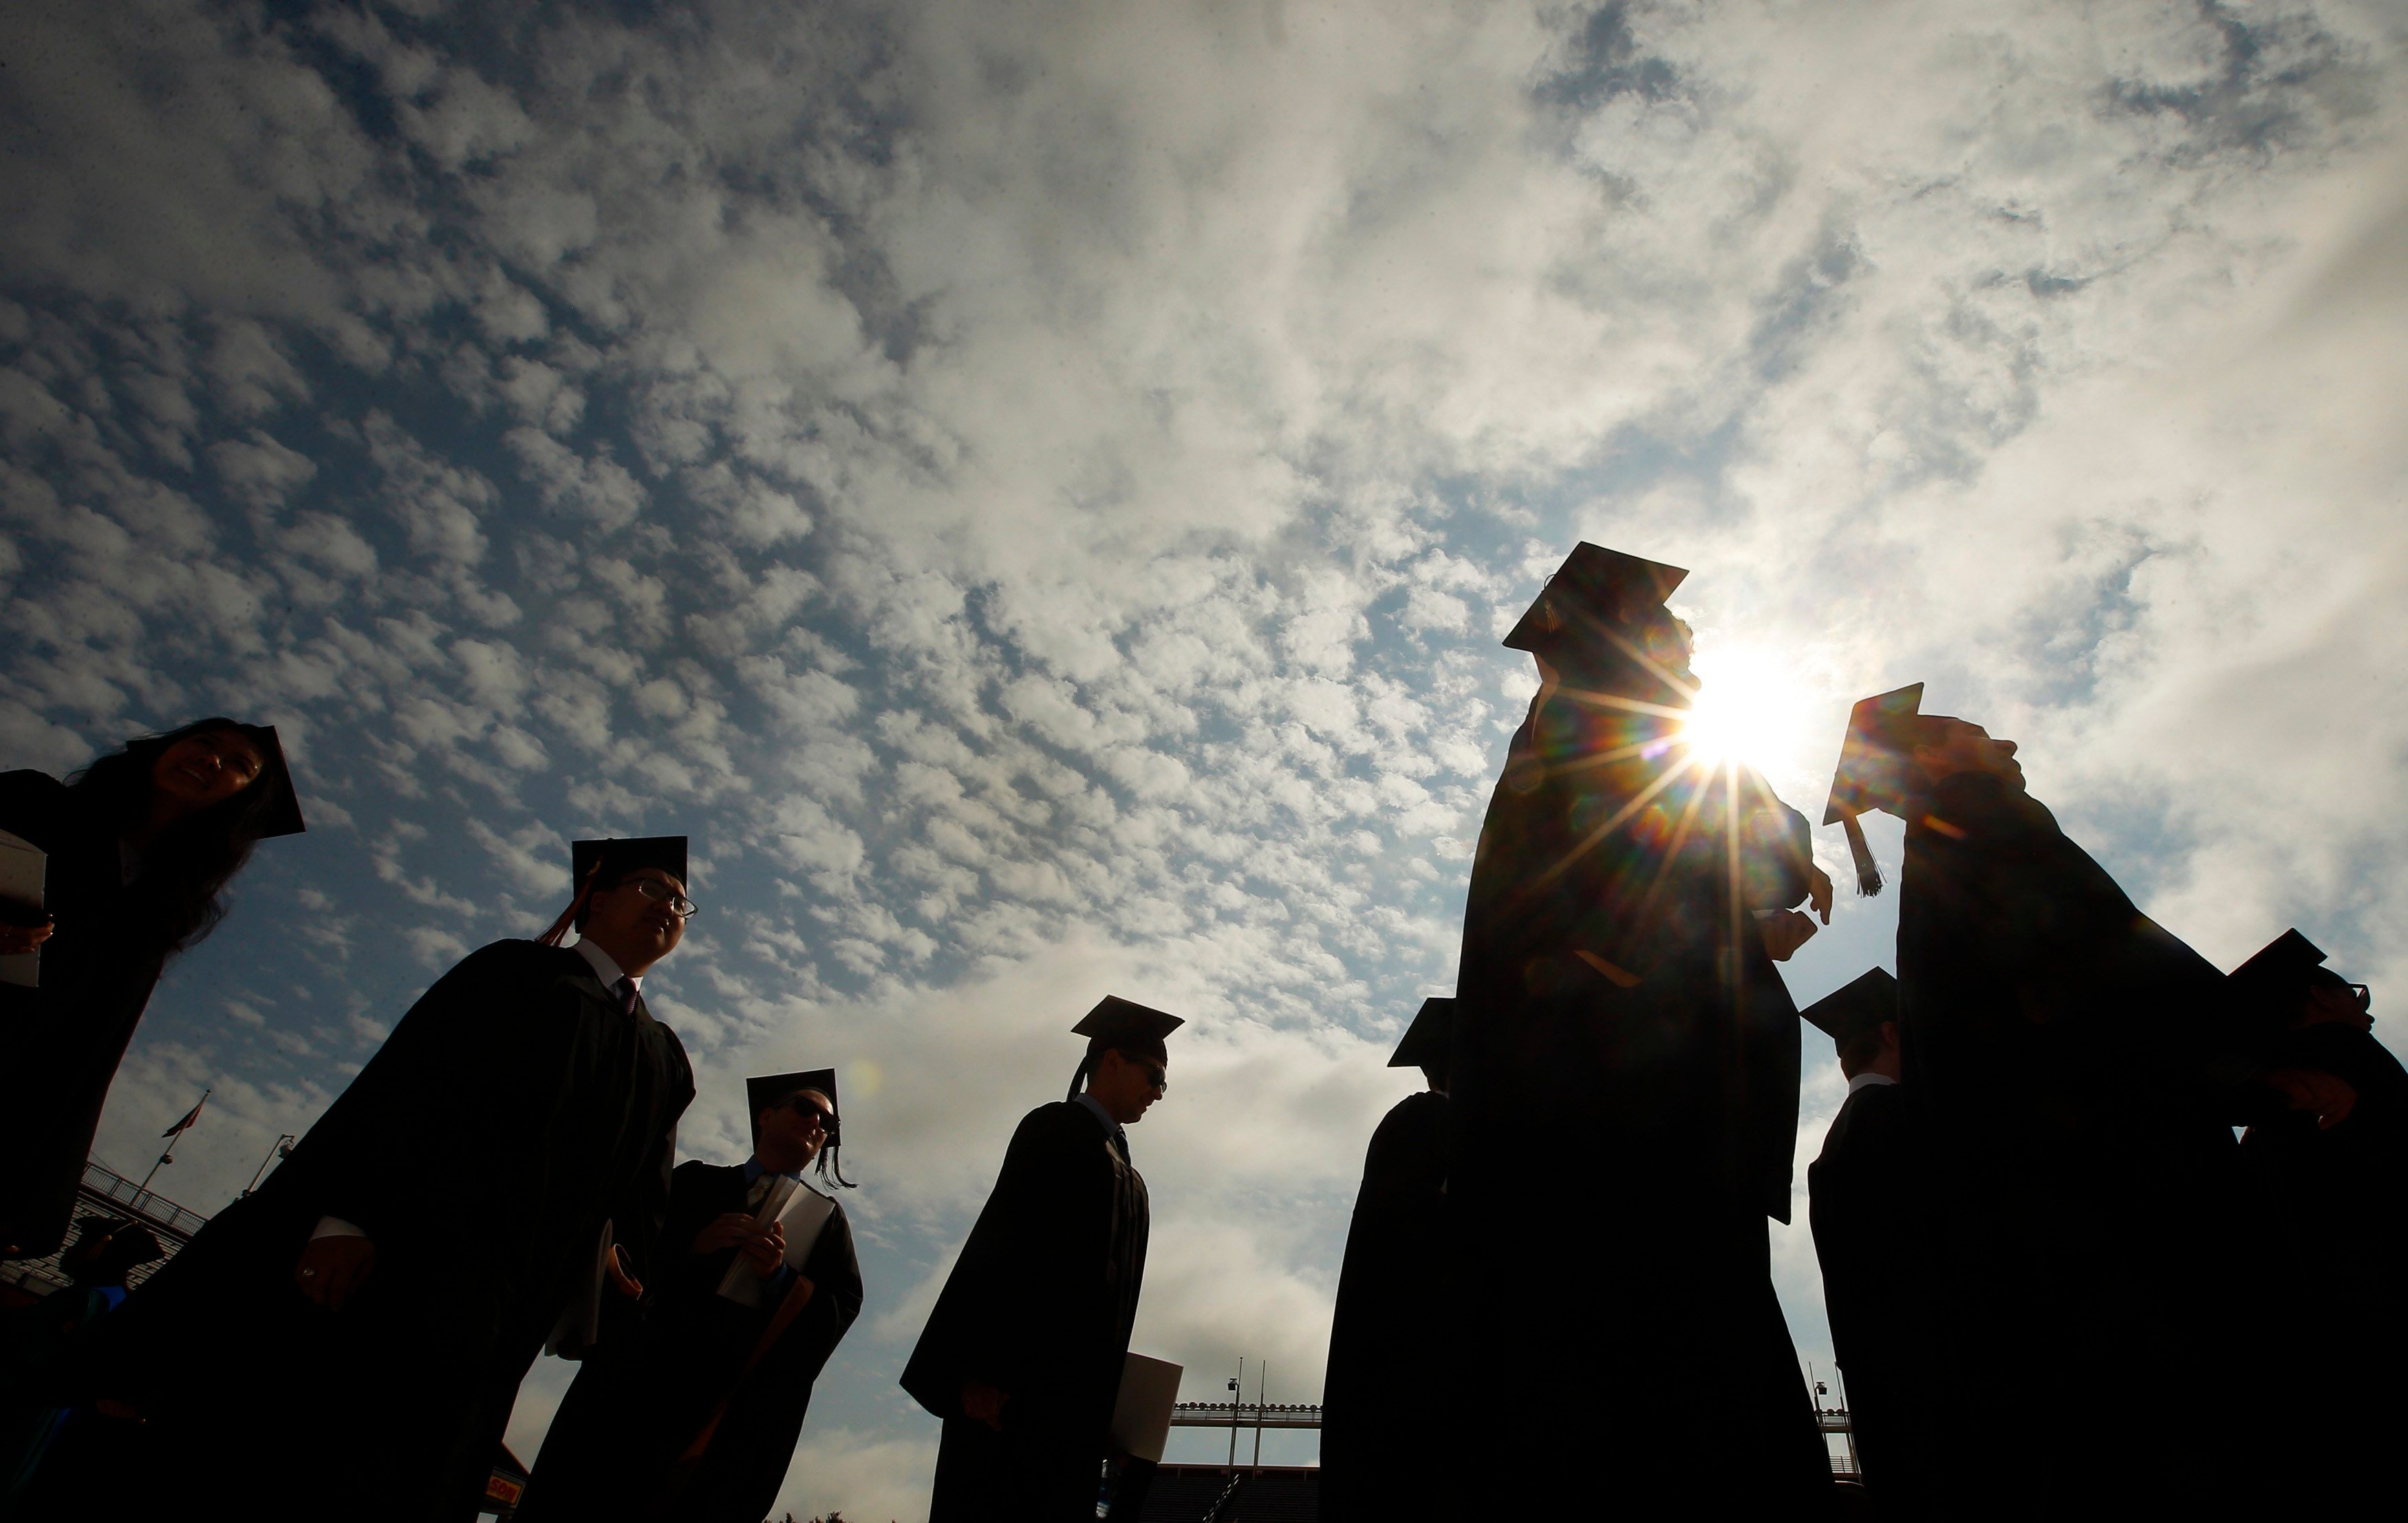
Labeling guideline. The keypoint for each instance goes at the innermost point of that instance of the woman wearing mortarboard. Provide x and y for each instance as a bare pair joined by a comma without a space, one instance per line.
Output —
139,850
370,1311
2078,1071
1021,1356
694,1413
1625,1084
1379,1425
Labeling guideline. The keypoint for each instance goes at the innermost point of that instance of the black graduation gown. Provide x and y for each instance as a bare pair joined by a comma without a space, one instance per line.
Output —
1622,1132
1380,1423
1039,1305
2081,1069
1869,1196
635,1407
2341,1198
60,1044
515,1110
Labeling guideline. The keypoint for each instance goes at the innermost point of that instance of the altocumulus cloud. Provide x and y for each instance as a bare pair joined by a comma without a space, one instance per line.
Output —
1035,490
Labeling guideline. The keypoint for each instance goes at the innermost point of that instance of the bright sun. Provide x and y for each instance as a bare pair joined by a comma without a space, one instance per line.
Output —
1748,708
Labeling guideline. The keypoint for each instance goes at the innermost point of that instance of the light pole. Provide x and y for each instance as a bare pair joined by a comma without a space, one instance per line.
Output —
283,1149
1237,1390
1261,1382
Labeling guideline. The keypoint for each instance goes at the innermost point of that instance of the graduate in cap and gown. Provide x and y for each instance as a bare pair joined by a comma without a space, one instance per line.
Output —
694,1413
2079,1071
140,849
2340,1197
370,1311
1021,1356
1870,1203
1625,1084
1380,1423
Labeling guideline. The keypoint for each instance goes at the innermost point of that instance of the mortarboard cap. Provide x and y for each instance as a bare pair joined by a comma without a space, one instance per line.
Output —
279,810
1872,771
1116,1021
619,856
1597,583
1430,1042
2283,967
1855,1008
775,1088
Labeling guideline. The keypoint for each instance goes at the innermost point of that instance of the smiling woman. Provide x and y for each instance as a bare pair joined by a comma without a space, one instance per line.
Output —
137,852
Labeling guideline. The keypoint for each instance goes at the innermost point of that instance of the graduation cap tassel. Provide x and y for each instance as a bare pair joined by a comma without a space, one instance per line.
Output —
559,931
1868,878
1079,1080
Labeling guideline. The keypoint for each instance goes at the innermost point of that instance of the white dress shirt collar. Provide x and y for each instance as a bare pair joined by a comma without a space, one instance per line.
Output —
604,969
1102,1114
1869,1077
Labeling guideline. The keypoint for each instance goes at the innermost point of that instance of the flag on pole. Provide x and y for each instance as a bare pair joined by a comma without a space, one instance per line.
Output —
190,1116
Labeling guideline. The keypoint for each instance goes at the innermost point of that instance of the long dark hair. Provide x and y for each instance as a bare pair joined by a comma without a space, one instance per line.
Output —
831,1170
178,898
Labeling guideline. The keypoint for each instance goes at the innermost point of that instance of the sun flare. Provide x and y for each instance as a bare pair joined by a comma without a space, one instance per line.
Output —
1747,711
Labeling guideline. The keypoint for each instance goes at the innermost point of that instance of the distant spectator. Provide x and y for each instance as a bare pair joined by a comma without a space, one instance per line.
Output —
31,1429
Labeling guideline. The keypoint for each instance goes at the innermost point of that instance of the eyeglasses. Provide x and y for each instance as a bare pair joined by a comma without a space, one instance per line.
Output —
809,1111
661,893
1156,1076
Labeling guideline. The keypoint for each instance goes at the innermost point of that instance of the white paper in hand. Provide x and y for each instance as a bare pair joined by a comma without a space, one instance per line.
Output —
1141,1413
22,868
801,1212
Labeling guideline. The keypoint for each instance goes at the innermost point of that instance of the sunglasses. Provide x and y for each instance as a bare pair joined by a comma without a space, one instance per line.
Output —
809,1111
1155,1075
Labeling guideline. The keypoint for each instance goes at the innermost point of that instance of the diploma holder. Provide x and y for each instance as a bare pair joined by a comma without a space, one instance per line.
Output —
802,1211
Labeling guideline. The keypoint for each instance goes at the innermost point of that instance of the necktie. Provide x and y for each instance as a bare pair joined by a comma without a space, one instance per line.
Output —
626,992
760,1190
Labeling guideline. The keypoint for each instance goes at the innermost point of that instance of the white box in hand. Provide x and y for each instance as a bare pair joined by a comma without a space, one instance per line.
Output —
22,869
1141,1413
802,1211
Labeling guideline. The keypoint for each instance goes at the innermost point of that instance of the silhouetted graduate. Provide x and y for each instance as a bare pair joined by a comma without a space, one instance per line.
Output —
694,1413
140,847
1625,1086
2341,1192
369,1311
1021,1356
1384,1399
2080,1070
1870,1195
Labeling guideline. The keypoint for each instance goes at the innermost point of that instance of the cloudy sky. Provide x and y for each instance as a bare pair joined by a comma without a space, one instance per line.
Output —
1034,489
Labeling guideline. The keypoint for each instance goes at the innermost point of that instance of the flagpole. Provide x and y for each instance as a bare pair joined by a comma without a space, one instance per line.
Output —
169,1156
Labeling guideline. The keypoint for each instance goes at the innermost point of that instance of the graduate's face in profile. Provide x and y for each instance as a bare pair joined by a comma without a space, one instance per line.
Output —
1956,746
1127,1087
203,769
632,926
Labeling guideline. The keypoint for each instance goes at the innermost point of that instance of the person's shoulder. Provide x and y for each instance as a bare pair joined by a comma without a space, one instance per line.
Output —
512,955
1425,1108
1059,1118
697,1169
28,784
30,801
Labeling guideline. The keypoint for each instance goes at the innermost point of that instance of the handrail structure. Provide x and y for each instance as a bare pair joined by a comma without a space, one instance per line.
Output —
1245,1415
105,1192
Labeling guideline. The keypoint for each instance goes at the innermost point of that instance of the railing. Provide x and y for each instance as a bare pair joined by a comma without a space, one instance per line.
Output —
1245,1415
105,1192
154,1210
